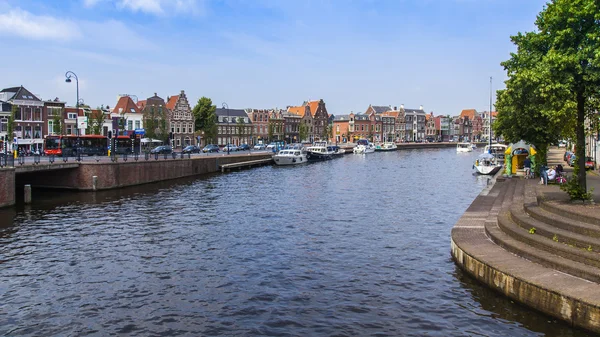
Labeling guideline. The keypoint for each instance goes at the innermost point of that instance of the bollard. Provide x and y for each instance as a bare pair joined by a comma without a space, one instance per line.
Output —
28,194
94,182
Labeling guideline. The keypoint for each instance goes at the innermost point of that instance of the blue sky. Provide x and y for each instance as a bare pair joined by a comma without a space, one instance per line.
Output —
265,53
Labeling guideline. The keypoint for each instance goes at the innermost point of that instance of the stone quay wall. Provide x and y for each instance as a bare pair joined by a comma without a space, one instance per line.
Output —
111,175
7,187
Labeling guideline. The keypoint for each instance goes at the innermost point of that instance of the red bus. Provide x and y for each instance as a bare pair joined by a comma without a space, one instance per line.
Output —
72,145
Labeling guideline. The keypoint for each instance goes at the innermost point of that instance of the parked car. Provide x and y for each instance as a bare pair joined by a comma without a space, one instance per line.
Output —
567,155
191,149
162,149
231,148
271,146
210,148
590,163
244,147
259,147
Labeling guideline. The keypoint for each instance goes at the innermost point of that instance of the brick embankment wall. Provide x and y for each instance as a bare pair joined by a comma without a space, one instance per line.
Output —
7,187
121,174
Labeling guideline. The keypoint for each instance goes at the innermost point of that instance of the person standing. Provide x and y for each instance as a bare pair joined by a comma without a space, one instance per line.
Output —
527,166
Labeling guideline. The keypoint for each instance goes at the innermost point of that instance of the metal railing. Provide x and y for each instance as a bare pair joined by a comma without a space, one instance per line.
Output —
11,161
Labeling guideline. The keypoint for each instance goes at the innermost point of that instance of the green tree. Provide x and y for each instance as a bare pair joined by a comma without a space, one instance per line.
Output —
302,131
271,130
240,128
554,78
11,121
57,122
95,121
327,132
205,118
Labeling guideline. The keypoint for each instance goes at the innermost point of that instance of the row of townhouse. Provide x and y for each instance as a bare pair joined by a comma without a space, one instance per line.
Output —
387,123
381,123
35,118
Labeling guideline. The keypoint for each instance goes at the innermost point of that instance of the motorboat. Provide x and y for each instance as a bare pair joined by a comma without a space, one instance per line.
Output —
464,147
337,151
496,149
363,146
487,164
387,146
290,157
319,151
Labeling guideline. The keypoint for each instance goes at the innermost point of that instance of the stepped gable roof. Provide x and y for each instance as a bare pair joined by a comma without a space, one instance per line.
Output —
125,105
471,113
172,101
313,105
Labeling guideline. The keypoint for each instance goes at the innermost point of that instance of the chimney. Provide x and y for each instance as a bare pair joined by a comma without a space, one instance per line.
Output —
395,108
155,94
182,92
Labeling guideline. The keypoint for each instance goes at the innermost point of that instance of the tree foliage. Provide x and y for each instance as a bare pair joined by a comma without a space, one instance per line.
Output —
553,78
155,123
303,131
240,128
96,120
11,122
205,118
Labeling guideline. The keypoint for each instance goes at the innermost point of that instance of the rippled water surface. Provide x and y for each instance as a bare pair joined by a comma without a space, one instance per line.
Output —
358,246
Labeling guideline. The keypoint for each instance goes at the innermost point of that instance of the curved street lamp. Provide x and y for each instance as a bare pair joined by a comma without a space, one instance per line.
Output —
68,76
225,106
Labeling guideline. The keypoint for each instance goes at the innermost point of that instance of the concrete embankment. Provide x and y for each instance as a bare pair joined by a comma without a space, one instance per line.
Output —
517,239
7,190
110,175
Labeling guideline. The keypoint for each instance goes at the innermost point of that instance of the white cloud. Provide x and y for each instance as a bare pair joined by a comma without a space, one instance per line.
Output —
38,27
156,7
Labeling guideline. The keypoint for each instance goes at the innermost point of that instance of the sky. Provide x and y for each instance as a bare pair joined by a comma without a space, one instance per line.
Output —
262,54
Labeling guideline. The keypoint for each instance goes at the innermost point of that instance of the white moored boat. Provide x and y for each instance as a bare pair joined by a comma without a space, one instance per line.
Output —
487,164
363,146
496,149
319,151
464,147
290,157
387,146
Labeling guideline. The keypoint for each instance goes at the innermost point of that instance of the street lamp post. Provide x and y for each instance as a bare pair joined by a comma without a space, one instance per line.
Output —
225,106
68,76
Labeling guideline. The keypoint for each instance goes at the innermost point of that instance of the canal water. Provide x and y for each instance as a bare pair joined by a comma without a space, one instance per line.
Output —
358,246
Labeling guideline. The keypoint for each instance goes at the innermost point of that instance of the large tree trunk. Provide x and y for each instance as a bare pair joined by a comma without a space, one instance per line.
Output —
580,136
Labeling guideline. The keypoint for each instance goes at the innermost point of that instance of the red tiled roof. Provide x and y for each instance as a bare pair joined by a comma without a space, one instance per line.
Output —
172,101
313,105
126,105
297,110
468,113
141,104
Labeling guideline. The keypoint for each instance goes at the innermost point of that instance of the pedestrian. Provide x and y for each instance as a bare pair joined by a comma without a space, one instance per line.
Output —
543,175
527,166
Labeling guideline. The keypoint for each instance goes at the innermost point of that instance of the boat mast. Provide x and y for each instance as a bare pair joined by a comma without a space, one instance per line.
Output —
490,117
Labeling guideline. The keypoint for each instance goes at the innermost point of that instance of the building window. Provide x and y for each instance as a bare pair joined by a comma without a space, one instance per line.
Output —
51,127
3,125
37,114
18,114
129,125
177,127
37,132
71,115
178,142
27,132
28,116
173,127
137,124
69,129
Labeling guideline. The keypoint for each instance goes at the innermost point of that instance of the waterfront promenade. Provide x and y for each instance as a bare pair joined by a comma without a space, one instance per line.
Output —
532,244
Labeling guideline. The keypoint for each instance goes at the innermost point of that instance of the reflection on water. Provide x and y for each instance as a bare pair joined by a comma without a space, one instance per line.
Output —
351,247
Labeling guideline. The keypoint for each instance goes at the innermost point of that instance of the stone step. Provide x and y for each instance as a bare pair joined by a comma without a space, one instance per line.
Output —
559,221
562,209
552,232
545,245
532,253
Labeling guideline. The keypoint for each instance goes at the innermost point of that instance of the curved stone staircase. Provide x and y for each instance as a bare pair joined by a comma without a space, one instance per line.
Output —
537,251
